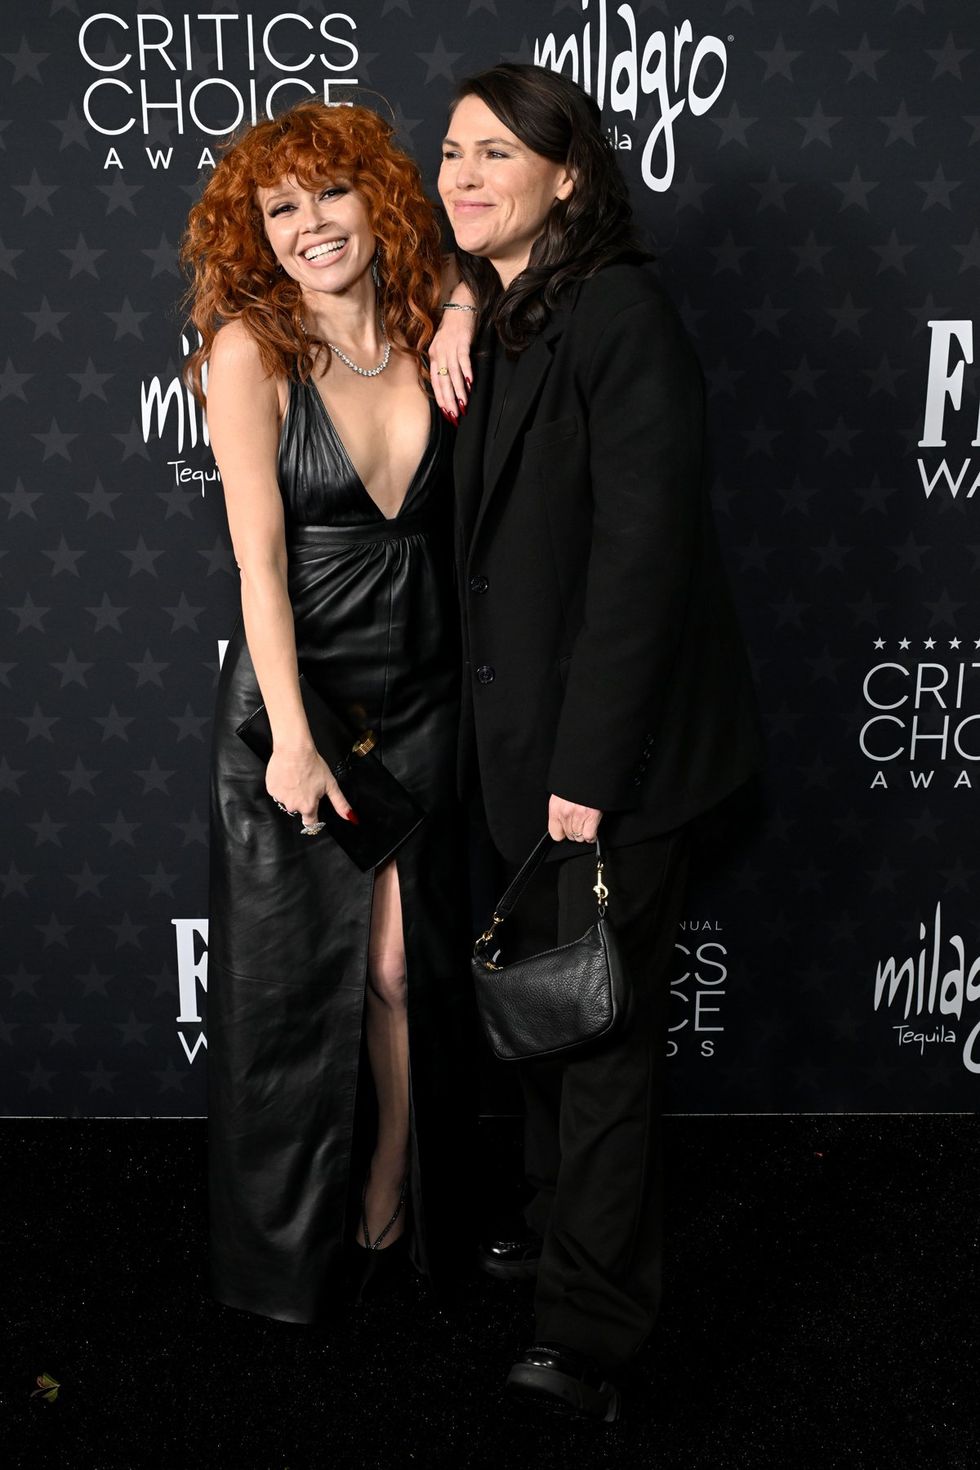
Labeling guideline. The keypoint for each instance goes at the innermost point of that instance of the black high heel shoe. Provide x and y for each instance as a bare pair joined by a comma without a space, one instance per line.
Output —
381,1268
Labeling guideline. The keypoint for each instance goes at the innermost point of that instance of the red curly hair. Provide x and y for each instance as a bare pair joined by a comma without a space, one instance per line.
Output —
234,272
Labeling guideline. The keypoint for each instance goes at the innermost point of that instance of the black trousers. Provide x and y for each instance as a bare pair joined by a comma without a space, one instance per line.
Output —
593,1130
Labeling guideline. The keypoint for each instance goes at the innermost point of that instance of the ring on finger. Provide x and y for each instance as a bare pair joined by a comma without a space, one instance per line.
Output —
442,372
310,829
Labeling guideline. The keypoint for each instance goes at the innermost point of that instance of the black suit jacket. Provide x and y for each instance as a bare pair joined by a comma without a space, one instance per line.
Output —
603,657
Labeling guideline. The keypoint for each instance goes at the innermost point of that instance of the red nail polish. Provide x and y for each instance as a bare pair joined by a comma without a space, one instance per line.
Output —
468,382
462,406
353,817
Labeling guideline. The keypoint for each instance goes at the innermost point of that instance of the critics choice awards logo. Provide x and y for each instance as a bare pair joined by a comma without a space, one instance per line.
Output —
623,67
698,989
922,713
207,73
936,1006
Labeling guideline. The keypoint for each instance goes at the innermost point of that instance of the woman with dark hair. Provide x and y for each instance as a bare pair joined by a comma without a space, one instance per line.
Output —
334,1054
605,679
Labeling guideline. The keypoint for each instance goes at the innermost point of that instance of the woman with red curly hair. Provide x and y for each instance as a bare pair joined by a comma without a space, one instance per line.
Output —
315,267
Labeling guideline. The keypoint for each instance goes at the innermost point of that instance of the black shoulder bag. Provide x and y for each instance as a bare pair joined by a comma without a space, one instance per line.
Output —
556,1003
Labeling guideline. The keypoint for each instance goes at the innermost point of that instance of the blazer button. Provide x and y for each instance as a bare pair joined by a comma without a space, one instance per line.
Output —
485,674
478,584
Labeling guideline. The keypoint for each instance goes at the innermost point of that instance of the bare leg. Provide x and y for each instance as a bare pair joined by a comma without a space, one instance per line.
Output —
387,1044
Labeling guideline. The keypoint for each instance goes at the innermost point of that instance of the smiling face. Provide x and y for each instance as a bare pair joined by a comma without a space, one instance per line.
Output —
321,236
497,192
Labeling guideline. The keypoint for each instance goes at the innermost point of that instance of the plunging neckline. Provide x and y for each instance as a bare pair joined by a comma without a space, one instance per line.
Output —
423,458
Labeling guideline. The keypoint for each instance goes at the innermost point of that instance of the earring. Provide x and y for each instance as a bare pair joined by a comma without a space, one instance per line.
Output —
375,273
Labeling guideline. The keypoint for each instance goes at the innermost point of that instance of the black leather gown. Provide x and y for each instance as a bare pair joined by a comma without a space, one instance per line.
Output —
290,1093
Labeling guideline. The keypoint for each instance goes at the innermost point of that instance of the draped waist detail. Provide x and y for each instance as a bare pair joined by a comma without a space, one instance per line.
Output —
299,538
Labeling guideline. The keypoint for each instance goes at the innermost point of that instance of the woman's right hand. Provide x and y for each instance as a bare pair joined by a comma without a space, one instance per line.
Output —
450,365
299,781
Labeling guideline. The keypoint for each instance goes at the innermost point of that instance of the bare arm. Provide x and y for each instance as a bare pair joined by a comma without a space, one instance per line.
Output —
243,418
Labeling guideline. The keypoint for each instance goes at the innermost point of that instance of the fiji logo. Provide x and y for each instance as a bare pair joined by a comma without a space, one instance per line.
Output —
950,353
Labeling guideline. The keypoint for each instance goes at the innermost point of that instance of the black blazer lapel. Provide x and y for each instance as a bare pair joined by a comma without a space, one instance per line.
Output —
530,372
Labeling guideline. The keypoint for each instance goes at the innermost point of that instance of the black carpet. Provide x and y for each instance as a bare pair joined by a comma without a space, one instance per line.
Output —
821,1312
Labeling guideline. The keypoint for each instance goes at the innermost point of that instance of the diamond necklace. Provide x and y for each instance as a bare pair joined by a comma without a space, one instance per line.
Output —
364,372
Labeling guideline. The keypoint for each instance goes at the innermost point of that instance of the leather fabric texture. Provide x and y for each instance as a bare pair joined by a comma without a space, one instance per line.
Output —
290,1094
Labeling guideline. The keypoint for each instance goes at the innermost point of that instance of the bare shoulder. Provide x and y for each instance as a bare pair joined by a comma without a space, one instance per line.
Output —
238,378
235,348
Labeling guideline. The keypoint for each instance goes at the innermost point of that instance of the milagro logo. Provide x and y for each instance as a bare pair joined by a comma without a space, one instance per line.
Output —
200,71
929,1003
191,937
922,701
950,353
696,993
168,409
619,67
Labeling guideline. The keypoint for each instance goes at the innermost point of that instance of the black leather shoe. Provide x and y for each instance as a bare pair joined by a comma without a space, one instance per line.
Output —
514,1258
557,1377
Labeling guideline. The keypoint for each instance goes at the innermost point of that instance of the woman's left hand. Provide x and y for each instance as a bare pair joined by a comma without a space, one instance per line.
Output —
449,362
566,819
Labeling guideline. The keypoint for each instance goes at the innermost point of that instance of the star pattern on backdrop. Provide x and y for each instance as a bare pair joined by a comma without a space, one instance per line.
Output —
820,215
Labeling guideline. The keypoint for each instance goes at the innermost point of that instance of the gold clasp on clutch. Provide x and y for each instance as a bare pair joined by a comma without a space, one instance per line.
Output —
485,939
599,889
365,745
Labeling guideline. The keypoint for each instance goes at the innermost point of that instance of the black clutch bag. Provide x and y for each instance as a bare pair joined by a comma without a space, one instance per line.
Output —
556,1003
386,812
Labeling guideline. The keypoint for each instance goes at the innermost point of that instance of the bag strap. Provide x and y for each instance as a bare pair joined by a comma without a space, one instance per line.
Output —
524,875
520,881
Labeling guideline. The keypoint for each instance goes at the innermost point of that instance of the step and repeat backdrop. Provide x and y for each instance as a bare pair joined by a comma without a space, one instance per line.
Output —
807,173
